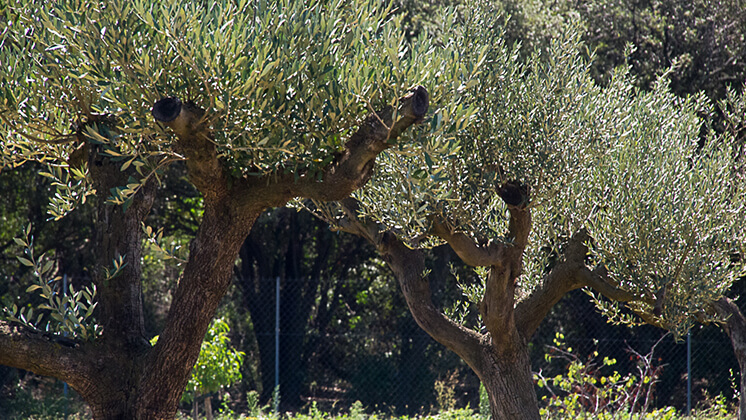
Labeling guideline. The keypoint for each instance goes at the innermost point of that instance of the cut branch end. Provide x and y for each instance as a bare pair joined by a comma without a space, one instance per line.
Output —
417,103
167,109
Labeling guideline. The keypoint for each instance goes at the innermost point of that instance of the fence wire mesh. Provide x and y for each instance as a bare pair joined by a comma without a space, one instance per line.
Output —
370,350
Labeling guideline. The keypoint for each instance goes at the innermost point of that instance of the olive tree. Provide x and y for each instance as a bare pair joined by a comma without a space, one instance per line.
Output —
261,101
556,184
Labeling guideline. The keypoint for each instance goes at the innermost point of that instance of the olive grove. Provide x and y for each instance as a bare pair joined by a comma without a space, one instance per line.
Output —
534,175
558,184
260,101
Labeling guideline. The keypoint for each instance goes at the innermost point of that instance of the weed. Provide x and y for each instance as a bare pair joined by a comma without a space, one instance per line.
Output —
445,392
584,392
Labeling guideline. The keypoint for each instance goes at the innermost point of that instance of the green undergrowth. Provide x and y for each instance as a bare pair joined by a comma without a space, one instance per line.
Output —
715,412
583,388
468,414
712,409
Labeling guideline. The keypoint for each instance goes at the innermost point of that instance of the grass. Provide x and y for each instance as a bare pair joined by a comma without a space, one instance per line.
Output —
356,413
466,414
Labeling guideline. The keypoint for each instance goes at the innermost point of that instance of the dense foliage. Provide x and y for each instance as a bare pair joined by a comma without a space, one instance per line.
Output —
700,42
663,205
284,84
278,80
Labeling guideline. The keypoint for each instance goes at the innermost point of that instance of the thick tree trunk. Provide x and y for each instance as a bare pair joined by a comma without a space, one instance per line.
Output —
502,363
509,384
500,356
735,327
205,280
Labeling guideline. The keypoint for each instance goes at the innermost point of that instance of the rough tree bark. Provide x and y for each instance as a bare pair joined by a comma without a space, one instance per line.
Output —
119,375
499,356
735,327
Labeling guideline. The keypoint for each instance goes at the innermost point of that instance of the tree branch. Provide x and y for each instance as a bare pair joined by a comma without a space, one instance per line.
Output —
475,254
355,166
597,281
408,266
515,196
470,252
195,142
45,354
350,171
531,311
735,326
569,274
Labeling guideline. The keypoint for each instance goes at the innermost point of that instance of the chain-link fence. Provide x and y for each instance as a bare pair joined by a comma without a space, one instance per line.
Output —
347,346
365,347
690,372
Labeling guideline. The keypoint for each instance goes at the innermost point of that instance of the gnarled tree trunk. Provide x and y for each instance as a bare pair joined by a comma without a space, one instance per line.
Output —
509,384
498,356
735,327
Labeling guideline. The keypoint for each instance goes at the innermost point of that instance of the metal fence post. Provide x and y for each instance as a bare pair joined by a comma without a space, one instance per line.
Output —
688,372
64,386
277,339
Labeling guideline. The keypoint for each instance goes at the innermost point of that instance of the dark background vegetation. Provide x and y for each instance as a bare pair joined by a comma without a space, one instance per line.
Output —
346,332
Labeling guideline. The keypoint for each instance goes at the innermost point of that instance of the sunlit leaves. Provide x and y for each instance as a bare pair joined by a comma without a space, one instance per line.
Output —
63,312
532,123
284,83
218,364
167,248
668,211
72,189
663,206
